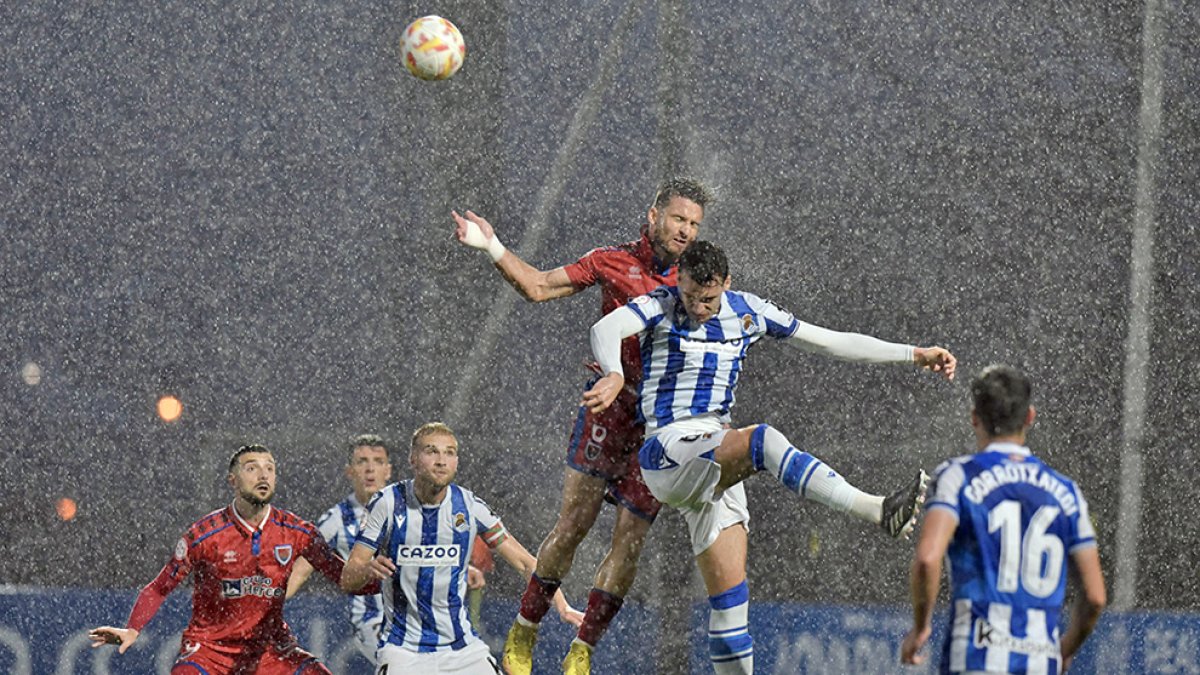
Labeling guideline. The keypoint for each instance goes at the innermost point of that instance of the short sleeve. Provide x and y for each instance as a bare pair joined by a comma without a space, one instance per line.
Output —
330,526
948,481
379,521
583,272
777,321
487,524
652,307
1085,534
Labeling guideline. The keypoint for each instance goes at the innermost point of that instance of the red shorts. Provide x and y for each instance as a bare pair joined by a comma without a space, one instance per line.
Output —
606,446
212,658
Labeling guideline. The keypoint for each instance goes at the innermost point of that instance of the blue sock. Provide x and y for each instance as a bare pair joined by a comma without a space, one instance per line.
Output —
808,476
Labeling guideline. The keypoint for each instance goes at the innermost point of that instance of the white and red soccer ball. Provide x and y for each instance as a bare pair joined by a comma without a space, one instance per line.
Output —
432,48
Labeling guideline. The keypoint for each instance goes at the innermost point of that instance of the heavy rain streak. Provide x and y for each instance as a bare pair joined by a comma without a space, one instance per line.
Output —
230,223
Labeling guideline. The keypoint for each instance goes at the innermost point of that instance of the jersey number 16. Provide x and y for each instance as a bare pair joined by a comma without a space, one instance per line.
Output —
1036,558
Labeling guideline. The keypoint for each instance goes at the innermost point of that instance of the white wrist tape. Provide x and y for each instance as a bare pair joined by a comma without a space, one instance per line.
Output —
475,239
495,249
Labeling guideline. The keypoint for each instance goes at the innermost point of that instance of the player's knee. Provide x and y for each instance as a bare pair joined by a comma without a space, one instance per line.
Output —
759,438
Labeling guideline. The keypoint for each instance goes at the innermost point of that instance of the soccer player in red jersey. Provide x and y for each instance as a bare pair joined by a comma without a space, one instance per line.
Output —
240,558
602,455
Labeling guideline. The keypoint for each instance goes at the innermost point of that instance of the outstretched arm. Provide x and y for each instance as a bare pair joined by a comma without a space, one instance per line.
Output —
533,284
523,561
859,347
145,607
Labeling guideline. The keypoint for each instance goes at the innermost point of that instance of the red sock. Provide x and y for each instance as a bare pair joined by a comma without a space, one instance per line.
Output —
536,600
602,607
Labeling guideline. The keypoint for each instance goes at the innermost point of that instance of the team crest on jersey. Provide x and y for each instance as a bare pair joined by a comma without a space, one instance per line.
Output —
180,550
460,522
188,649
747,322
283,553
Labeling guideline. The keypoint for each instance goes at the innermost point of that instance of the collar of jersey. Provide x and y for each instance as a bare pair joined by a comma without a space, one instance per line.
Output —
242,521
1008,449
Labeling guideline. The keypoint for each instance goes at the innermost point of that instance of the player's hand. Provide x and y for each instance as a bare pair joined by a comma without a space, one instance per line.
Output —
910,649
936,359
473,230
110,635
570,615
475,578
603,393
381,567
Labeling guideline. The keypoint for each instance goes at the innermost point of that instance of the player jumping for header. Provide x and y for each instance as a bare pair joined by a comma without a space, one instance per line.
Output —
695,338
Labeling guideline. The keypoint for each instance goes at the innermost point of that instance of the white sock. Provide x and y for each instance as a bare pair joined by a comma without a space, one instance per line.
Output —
729,643
809,477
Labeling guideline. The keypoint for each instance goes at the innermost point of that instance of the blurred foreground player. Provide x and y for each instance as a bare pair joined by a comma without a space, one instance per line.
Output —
602,453
418,538
1011,528
240,558
695,338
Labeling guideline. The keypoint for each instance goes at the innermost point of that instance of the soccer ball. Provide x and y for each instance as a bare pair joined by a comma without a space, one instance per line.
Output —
432,48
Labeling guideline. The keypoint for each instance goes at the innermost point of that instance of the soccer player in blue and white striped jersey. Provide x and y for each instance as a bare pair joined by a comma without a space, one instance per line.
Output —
369,468
1010,527
694,340
417,538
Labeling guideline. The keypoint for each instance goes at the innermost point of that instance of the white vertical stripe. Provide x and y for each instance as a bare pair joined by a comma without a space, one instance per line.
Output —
1035,631
960,635
1000,619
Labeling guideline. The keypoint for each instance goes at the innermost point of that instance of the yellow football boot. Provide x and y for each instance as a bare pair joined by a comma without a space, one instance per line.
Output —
518,649
579,659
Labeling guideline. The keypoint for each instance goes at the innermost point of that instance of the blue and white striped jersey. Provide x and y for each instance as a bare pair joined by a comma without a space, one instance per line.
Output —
692,370
340,526
423,601
1018,520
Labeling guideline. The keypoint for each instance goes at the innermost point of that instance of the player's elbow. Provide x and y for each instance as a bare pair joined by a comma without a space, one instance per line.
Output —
926,564
1095,600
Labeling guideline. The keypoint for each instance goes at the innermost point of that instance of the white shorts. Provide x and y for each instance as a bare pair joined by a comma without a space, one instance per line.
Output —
474,659
678,467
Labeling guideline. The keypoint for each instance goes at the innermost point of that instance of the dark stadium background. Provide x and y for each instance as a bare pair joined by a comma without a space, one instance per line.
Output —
247,206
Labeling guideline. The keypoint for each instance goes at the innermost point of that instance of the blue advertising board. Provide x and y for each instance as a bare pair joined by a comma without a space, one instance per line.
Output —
45,632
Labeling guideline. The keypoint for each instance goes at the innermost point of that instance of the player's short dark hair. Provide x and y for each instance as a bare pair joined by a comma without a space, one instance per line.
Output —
428,429
1001,397
365,440
704,262
246,449
688,188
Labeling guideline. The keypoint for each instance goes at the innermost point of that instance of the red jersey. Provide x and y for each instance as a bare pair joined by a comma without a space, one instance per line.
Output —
624,272
240,572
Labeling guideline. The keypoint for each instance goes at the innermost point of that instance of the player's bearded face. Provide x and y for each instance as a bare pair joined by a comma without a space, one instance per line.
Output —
434,460
674,227
255,479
